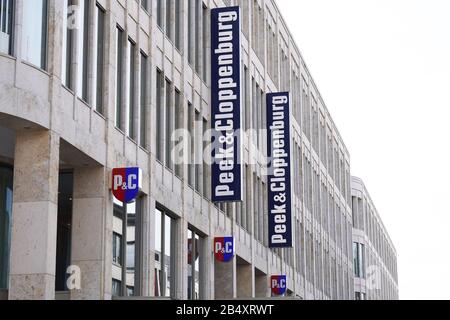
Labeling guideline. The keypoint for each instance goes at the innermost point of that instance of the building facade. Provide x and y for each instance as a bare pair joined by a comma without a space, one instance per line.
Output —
88,86
374,254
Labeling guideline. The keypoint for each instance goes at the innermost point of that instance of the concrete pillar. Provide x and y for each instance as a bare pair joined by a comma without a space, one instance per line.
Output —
88,232
244,273
224,280
34,223
261,286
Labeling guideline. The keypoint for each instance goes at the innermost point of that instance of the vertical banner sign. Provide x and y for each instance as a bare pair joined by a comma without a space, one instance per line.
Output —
126,183
279,170
278,285
226,120
224,249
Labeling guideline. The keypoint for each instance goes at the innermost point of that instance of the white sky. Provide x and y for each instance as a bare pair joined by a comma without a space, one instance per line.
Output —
383,70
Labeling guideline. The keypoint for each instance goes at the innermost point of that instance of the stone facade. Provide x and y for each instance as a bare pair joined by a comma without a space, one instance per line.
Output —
49,124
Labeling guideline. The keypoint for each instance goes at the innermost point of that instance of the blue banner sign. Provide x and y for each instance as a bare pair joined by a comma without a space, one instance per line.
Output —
226,105
279,170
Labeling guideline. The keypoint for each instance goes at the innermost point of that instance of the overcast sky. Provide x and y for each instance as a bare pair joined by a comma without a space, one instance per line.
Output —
383,70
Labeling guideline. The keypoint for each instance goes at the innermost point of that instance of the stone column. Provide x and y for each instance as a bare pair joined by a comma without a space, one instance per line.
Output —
262,286
224,280
89,232
34,223
244,280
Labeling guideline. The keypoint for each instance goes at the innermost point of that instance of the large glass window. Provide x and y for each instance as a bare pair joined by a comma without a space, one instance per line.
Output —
195,258
34,33
6,198
6,25
164,254
127,235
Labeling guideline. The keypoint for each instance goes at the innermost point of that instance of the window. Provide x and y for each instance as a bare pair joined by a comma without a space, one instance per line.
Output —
194,262
191,36
358,260
127,257
191,143
132,89
178,126
164,254
206,189
34,33
362,261
360,296
198,152
68,27
6,26
169,20
144,101
99,58
159,13
169,126
117,249
198,44
116,288
159,114
119,79
178,24
247,112
6,198
82,32
144,4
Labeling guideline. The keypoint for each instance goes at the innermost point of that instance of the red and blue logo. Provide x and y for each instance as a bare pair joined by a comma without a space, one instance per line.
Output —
278,285
224,249
126,183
